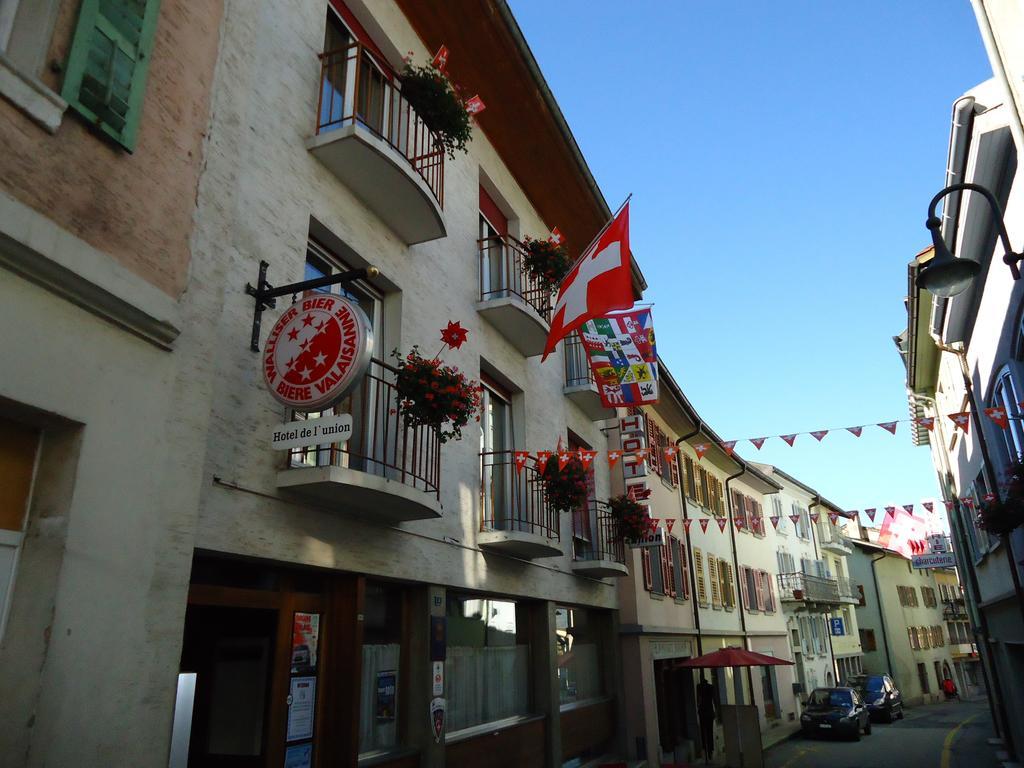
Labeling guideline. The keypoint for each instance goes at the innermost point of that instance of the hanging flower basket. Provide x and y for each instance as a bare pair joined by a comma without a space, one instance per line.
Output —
1001,518
547,262
435,395
566,488
629,516
437,102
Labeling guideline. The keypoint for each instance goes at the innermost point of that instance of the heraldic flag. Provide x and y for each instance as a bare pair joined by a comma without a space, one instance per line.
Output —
623,358
600,282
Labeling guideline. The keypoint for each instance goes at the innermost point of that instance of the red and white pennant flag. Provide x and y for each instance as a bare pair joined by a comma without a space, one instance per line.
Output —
962,420
599,283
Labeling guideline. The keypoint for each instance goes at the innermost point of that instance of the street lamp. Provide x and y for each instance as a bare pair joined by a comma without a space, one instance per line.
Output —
945,275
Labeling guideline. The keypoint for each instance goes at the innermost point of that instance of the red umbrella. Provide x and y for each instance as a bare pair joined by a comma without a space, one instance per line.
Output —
733,657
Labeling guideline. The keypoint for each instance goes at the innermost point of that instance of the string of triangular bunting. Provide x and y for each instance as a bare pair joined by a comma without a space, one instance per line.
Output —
741,522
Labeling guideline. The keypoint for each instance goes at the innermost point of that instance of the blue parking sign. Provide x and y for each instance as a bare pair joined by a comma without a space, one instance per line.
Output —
837,626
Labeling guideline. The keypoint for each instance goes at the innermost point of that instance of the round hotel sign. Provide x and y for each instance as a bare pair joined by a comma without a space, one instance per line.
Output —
317,352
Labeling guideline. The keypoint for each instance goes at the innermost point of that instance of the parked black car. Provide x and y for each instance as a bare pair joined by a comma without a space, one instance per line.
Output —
884,700
835,711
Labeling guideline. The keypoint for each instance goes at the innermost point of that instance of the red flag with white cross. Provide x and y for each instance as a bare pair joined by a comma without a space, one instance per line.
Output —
521,458
687,523
600,282
440,59
758,442
962,420
870,513
789,439
587,457
564,457
556,237
775,521
613,457
704,524
700,449
729,446
721,523
795,519
998,415
928,422
855,431
889,426
819,435
928,505
542,460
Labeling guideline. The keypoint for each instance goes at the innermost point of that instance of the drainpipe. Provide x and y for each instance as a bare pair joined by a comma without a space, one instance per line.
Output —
686,535
736,566
828,626
881,613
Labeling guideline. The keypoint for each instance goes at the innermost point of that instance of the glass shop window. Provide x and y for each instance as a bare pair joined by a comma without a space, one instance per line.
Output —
578,644
382,651
488,661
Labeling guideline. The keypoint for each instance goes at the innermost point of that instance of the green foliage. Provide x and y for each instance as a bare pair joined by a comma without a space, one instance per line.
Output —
433,394
547,262
437,102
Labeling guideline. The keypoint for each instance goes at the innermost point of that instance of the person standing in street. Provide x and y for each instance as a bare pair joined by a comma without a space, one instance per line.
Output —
707,710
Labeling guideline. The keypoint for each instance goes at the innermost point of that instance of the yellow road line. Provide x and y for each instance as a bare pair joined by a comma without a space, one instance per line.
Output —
947,745
798,755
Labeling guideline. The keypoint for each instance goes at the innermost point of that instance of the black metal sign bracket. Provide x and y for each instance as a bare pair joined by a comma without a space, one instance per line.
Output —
266,295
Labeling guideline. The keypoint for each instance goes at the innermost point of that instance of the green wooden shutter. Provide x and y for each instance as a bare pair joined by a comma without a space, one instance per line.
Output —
105,77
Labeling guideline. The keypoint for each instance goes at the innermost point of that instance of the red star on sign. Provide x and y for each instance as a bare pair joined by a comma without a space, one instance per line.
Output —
454,335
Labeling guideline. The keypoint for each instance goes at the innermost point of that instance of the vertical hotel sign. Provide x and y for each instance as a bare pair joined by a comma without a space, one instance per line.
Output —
623,358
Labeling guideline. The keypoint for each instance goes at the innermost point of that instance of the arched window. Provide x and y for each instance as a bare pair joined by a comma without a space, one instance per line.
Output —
1007,394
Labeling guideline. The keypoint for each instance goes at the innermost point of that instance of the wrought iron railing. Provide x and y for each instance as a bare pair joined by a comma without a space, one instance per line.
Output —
577,366
807,588
503,273
847,589
382,443
356,87
595,534
513,499
831,535
954,609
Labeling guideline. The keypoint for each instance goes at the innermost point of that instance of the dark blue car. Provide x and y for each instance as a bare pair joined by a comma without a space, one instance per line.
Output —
884,700
838,711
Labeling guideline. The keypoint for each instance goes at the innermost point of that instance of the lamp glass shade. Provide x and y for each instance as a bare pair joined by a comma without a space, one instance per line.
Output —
945,275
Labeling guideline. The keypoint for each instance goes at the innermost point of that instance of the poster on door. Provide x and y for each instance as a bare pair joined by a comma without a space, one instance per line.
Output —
301,708
305,637
298,756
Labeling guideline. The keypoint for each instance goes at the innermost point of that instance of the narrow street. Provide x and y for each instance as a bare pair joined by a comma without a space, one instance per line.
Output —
945,735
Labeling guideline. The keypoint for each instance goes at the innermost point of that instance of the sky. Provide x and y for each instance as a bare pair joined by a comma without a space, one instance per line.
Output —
781,158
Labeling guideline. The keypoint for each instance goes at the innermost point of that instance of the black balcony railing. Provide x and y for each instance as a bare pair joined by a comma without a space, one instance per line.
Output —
577,366
847,589
595,534
357,88
954,609
503,273
381,443
514,500
807,588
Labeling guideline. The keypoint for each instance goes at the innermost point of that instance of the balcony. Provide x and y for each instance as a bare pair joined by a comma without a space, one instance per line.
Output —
811,593
511,299
387,472
579,381
368,136
597,550
848,592
963,649
954,609
516,518
833,539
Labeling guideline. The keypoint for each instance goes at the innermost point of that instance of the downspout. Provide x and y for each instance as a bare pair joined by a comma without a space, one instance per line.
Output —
686,534
828,625
881,613
736,566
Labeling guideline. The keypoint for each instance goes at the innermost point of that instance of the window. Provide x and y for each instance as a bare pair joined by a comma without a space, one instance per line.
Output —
716,585
915,638
777,512
767,592
363,451
680,570
487,668
748,588
656,563
495,445
907,596
578,645
690,479
698,564
768,688
867,640
803,523
928,597
105,74
924,637
382,654
18,448
1007,395
977,538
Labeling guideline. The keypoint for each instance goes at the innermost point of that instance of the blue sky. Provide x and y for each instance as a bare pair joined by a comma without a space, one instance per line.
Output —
781,157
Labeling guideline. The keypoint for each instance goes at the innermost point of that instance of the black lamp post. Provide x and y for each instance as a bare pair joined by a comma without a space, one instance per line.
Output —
945,275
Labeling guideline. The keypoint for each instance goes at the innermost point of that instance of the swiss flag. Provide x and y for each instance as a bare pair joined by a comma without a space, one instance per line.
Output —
998,415
521,458
440,58
729,446
556,237
962,420
599,283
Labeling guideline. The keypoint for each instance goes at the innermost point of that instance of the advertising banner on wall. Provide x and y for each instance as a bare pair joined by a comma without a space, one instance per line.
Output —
623,358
